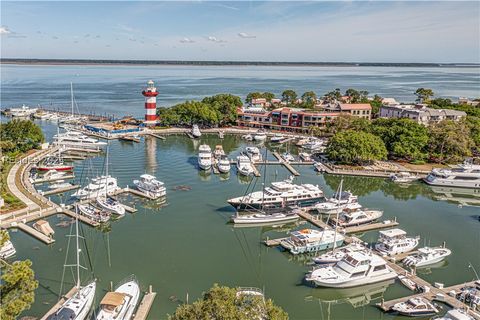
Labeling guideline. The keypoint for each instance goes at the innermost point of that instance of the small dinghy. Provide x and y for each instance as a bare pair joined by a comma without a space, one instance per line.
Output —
407,282
287,157
426,256
44,227
415,307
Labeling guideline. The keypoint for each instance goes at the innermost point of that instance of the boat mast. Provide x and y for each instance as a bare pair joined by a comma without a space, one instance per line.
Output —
339,196
78,248
106,172
71,95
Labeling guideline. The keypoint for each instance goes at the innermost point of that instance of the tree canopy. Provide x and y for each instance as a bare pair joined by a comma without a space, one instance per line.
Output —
20,135
222,303
450,141
309,99
257,95
17,285
356,147
289,97
423,94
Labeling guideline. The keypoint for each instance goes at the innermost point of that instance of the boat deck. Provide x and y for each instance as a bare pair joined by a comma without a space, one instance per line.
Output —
64,298
38,181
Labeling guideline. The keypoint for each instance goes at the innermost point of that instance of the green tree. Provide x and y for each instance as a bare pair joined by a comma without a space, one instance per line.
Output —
423,94
334,95
376,103
289,97
348,122
17,285
403,138
222,303
268,95
450,141
253,95
226,106
20,135
356,147
309,99
474,125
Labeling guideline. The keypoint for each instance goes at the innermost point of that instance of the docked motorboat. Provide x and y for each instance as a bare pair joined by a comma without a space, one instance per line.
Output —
205,157
403,177
149,185
263,218
53,175
357,217
23,111
305,157
415,307
426,256
121,303
334,256
111,205
60,184
302,142
7,250
407,282
338,202
395,241
54,163
277,138
260,135
248,137
313,144
354,269
43,227
254,154
456,314
219,152
310,241
75,139
466,175
98,186
287,157
94,213
280,194
78,306
223,164
196,131
244,166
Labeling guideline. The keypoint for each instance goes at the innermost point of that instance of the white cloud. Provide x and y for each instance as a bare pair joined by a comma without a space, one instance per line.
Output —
5,30
187,40
215,39
246,35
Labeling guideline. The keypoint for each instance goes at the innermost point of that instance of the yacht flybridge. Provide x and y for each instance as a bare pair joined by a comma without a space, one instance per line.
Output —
355,269
149,185
279,194
466,175
395,241
310,240
205,157
97,187
75,139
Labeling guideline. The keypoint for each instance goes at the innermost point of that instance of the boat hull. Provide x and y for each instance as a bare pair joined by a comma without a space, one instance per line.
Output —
276,204
60,168
240,220
312,248
357,282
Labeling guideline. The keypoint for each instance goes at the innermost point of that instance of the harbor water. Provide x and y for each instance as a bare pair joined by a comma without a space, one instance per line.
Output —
185,245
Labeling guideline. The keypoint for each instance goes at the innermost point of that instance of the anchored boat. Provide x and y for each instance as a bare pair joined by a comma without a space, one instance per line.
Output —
149,185
415,307
121,303
310,240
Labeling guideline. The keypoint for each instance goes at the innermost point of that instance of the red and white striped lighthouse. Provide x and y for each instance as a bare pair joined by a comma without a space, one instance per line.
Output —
150,94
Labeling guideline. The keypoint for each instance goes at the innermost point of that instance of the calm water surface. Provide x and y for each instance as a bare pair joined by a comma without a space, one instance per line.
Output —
186,245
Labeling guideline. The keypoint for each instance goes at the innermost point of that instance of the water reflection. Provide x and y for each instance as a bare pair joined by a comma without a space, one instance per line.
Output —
461,196
150,155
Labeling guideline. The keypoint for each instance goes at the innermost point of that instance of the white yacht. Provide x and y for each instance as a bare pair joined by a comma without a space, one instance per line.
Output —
205,157
465,176
345,201
223,164
310,240
265,218
260,135
415,307
395,241
313,144
111,205
97,186
7,250
305,157
426,256
120,304
287,157
280,194
358,217
403,177
75,139
196,131
456,314
22,111
355,269
248,137
219,152
244,165
254,154
78,306
277,138
332,257
93,213
149,185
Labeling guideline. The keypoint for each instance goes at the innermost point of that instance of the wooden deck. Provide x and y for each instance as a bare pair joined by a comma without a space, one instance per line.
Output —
371,226
34,233
145,305
60,302
156,136
286,164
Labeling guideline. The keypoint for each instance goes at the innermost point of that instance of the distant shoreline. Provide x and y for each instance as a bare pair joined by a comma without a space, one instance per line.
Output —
225,63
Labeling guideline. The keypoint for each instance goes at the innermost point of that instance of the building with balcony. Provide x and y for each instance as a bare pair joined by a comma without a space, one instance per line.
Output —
420,113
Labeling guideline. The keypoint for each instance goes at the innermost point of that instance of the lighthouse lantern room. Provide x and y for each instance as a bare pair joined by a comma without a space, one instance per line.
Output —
150,93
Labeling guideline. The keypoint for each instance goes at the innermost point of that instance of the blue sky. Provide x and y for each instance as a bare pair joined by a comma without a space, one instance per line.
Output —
374,31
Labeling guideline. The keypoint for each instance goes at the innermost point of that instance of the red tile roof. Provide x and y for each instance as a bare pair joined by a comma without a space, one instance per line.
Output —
355,106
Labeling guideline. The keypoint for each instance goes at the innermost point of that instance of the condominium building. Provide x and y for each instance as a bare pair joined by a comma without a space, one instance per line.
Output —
420,113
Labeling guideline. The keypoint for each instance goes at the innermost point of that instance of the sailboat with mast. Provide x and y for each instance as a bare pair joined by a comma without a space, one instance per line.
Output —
107,202
262,217
79,305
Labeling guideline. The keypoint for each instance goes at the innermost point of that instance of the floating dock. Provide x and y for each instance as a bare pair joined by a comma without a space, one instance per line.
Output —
60,190
34,233
129,139
286,164
145,305
156,136
38,181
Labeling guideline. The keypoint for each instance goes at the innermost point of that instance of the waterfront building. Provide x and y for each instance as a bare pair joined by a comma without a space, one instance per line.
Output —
299,119
420,113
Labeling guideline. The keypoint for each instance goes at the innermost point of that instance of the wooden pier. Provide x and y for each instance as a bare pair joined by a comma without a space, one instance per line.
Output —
60,190
156,136
372,226
38,181
34,233
286,164
145,305
57,305
129,139
189,134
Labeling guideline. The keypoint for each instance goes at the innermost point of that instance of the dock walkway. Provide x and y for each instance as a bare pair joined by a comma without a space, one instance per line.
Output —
145,305
286,164
34,233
